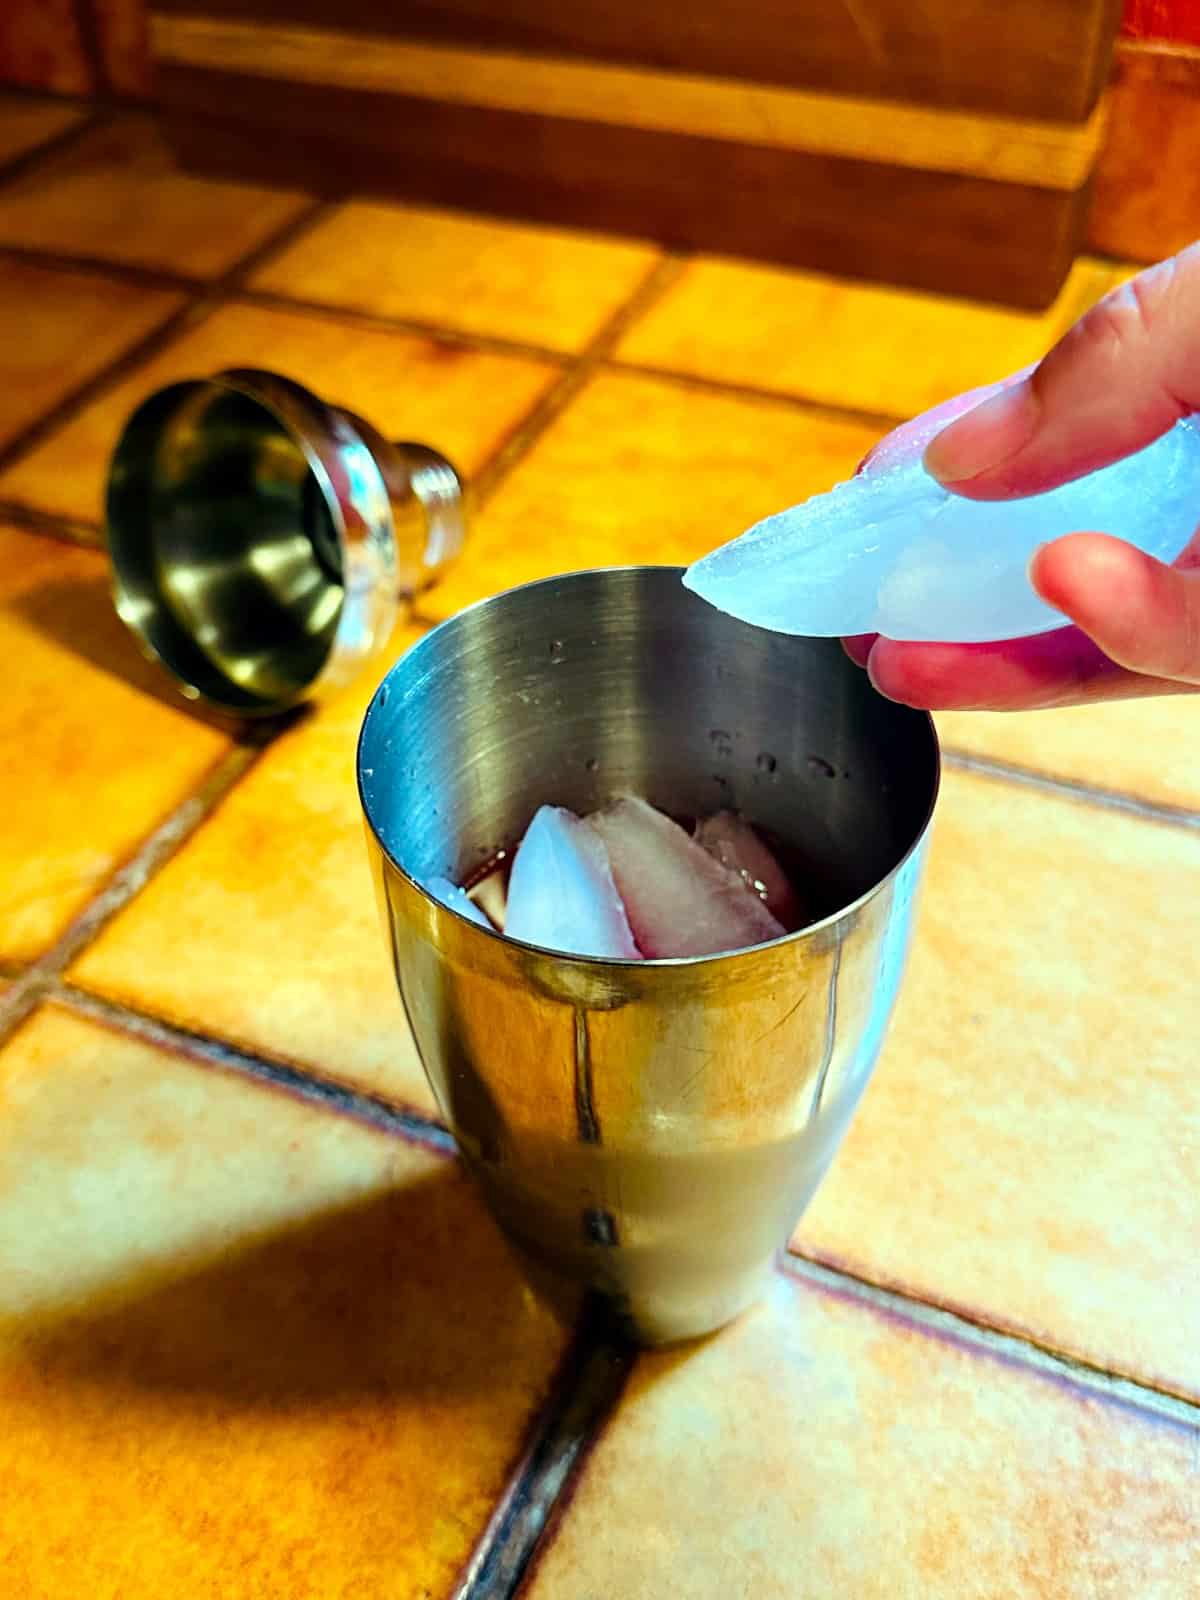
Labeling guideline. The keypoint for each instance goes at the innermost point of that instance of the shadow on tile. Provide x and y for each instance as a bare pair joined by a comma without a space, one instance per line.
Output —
77,614
354,1305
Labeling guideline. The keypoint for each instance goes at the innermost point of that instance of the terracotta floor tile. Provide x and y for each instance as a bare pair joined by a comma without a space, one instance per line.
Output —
1028,1147
24,124
461,401
642,470
71,324
544,285
117,193
264,928
246,1347
94,752
846,343
819,1448
1151,748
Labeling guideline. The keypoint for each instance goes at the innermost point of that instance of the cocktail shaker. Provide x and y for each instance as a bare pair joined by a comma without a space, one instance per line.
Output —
648,1130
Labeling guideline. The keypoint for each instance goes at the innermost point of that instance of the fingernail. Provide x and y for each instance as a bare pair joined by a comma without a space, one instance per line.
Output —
984,438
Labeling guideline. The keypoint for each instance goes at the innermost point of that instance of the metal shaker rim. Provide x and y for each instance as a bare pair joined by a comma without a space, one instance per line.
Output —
262,540
556,588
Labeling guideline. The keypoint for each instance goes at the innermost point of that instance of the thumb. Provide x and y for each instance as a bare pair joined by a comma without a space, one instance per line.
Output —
1124,374
1145,616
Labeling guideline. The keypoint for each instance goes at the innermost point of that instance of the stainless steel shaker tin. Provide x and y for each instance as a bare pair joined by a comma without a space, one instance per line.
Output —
647,1130
262,540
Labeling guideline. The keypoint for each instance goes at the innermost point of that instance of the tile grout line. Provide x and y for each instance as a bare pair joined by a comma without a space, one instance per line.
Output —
155,850
513,450
1072,789
18,1002
584,1393
1018,1350
48,525
206,298
729,388
92,121
327,1094
654,283
135,273
378,322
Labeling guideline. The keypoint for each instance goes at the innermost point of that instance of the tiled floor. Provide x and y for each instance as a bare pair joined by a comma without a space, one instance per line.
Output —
242,1342
824,1446
115,194
548,287
260,1342
61,328
26,124
96,750
877,349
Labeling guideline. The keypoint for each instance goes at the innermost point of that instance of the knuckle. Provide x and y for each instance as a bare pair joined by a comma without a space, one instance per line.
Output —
1121,319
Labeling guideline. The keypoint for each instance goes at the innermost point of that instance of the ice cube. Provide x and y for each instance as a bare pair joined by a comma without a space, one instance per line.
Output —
561,893
731,840
492,897
680,901
457,899
892,552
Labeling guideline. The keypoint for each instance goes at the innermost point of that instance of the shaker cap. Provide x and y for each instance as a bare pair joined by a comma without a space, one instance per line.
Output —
262,540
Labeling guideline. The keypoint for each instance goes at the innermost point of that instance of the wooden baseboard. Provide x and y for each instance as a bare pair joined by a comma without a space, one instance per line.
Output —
1043,59
1146,202
964,202
1008,242
1048,155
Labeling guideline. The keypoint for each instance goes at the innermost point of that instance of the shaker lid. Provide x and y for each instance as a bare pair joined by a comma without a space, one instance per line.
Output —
254,537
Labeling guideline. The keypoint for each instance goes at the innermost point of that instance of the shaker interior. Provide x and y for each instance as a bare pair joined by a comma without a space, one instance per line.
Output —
575,689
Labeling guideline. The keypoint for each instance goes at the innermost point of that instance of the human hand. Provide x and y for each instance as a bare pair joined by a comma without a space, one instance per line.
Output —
1124,374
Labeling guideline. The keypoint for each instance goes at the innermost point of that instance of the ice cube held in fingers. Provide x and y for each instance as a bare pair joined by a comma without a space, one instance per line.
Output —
731,840
893,552
561,893
680,900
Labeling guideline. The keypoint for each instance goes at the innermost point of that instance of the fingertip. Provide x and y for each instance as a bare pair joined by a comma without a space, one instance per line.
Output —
1136,609
1086,571
886,669
858,647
